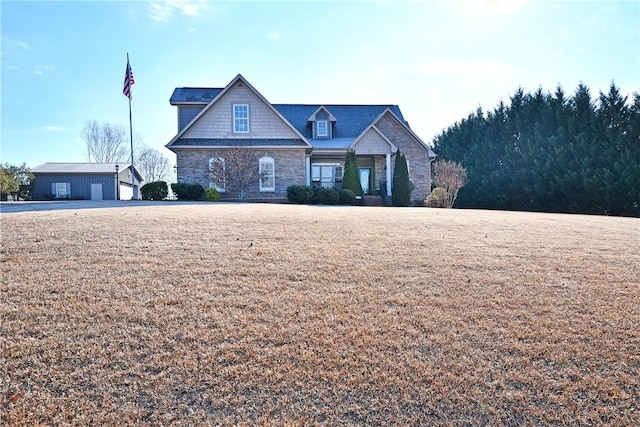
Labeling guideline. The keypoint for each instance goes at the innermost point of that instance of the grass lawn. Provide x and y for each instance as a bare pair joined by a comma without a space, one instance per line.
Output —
250,314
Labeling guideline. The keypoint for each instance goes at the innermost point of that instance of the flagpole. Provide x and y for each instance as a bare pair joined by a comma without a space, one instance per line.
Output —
133,186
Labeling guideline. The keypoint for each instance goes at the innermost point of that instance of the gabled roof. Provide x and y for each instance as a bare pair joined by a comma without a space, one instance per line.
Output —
194,95
218,96
377,131
312,117
83,168
351,120
405,125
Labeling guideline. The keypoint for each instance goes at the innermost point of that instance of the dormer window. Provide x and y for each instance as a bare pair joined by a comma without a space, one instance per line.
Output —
322,122
322,128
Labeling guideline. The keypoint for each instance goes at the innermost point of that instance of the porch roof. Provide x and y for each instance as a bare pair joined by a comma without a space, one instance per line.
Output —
331,144
237,142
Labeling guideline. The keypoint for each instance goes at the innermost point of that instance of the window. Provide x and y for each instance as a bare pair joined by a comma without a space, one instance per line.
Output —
339,172
240,118
315,173
326,174
322,128
267,174
217,172
61,190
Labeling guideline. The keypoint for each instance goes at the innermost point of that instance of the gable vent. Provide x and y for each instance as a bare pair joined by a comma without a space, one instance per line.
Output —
240,84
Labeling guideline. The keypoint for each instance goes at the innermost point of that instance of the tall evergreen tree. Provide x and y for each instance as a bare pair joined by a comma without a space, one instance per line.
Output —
351,178
550,152
401,187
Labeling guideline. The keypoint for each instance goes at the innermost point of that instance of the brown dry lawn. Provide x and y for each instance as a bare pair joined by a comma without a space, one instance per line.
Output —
236,314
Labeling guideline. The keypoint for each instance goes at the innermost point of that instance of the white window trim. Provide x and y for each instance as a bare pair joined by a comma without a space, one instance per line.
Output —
265,161
235,118
315,172
326,128
216,185
61,190
320,178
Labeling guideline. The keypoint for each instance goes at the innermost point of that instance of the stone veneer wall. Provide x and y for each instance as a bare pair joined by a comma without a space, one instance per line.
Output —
380,170
419,165
289,170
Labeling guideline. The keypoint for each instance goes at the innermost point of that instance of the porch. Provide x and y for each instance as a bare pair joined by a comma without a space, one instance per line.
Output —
374,172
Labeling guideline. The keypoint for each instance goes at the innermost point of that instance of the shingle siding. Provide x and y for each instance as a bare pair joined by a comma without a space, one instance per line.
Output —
217,122
372,143
186,113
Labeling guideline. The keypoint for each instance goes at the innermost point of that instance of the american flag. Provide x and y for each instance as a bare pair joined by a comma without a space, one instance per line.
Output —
128,81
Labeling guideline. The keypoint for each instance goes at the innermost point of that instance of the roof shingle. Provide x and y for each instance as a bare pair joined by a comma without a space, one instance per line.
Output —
351,120
210,142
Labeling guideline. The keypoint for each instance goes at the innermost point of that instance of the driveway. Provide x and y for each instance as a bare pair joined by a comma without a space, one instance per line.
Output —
11,207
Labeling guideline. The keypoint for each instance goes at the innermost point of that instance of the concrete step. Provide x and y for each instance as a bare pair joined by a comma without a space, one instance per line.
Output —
373,201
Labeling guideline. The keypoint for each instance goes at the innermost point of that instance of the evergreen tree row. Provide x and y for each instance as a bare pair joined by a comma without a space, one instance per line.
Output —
549,152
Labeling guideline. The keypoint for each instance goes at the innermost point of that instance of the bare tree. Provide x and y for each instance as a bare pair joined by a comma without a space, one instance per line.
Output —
451,176
152,164
235,169
106,143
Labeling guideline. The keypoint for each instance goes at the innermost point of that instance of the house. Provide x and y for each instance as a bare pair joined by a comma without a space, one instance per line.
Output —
86,181
293,143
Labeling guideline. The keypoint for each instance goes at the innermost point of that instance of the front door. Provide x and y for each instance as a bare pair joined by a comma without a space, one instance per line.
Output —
96,191
365,178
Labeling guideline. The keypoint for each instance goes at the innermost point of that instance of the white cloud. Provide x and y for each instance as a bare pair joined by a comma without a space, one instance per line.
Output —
23,45
44,69
16,43
13,46
163,10
275,36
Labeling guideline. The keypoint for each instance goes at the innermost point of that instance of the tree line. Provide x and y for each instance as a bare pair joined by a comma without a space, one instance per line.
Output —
107,143
549,152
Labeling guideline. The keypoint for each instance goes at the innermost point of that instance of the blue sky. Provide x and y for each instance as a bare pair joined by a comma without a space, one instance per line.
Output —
63,62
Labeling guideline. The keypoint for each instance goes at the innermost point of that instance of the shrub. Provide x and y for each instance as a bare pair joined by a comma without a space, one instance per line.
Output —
211,194
401,186
451,176
157,190
347,197
188,191
299,194
436,198
326,196
351,178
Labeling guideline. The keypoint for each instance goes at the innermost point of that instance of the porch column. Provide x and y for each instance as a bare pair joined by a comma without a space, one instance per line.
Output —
307,165
388,164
